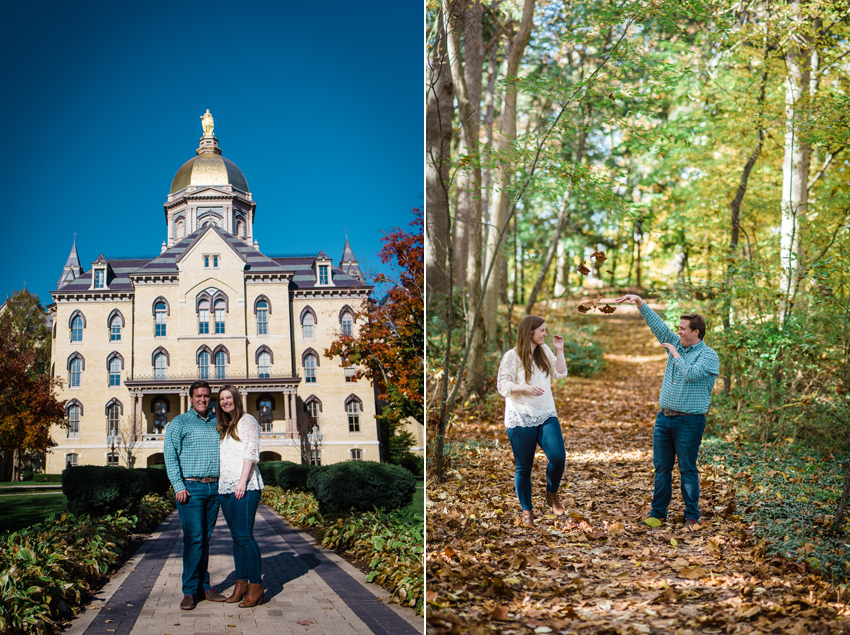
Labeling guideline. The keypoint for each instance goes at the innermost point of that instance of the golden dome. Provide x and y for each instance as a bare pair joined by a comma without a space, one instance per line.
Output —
209,168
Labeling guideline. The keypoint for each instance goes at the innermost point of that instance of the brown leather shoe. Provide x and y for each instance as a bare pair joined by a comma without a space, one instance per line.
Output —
554,503
212,596
238,591
255,595
188,603
528,518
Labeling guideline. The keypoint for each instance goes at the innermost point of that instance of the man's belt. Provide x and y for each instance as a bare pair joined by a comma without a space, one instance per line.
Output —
209,479
675,413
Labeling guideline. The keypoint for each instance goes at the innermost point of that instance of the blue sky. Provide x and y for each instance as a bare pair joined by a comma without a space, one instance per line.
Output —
319,104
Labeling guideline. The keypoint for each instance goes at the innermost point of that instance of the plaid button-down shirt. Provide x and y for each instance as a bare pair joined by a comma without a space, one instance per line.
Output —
689,379
191,448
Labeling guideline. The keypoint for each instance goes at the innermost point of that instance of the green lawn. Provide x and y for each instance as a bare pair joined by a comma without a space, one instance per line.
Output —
25,510
25,484
417,505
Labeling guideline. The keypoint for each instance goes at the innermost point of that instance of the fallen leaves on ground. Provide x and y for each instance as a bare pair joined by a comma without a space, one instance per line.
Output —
599,568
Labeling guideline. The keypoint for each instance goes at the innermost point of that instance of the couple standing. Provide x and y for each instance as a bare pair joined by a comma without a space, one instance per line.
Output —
525,381
212,462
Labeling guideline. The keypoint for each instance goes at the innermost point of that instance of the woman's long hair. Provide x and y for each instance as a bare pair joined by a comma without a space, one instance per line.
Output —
523,347
226,422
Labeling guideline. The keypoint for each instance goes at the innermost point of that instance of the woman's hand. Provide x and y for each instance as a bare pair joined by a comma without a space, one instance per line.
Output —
534,391
558,343
240,490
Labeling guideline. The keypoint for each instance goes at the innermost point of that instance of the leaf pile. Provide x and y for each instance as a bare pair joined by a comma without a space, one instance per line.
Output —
599,568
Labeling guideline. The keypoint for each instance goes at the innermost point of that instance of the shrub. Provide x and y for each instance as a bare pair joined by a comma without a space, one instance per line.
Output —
294,476
158,482
363,485
269,470
47,478
414,464
99,490
26,475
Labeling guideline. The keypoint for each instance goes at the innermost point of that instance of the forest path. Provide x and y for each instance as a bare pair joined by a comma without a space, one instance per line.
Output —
599,568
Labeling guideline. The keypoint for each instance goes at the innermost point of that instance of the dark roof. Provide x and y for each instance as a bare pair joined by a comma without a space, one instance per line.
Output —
121,282
305,276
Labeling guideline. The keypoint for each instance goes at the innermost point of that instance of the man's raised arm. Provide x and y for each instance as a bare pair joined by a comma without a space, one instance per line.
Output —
659,329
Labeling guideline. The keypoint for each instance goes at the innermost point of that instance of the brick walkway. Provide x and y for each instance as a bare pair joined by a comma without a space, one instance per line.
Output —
308,590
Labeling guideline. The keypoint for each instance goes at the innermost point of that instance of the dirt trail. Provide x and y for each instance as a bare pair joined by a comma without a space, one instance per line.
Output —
599,569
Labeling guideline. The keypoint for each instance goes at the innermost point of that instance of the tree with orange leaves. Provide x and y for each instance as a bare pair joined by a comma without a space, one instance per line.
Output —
27,406
389,347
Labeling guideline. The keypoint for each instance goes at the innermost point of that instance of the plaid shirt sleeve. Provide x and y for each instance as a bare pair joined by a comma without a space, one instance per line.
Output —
172,450
705,366
659,329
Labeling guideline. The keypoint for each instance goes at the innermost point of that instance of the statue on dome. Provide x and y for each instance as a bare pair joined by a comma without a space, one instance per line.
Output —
207,123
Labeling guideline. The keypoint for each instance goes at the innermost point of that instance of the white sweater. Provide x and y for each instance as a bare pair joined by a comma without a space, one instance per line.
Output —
234,453
522,410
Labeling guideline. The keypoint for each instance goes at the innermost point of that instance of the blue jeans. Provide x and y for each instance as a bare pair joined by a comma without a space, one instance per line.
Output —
524,442
197,517
676,437
239,514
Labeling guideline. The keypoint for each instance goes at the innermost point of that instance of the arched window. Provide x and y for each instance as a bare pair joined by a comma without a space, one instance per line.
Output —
308,323
219,316
264,363
261,308
353,416
73,411
116,322
77,324
113,416
313,406
160,313
160,410
76,366
115,371
221,365
160,362
203,365
348,325
203,317
240,229
310,362
71,460
180,230
265,407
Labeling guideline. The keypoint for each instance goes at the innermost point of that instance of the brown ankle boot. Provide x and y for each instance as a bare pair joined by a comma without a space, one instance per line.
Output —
238,591
255,595
554,503
528,518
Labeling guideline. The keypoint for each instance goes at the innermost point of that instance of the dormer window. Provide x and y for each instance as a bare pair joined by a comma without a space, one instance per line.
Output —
322,267
100,278
323,274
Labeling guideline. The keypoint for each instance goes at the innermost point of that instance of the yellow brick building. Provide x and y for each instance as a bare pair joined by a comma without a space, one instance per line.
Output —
130,336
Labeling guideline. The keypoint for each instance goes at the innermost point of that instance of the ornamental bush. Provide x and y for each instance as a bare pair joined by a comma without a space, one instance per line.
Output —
47,478
363,485
414,464
294,476
98,490
269,470
158,482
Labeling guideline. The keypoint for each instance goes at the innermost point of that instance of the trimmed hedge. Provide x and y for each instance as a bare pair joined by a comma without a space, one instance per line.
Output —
295,476
414,464
99,490
363,485
47,478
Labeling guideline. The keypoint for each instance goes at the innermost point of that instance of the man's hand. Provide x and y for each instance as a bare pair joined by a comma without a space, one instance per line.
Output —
558,343
631,298
672,350
182,496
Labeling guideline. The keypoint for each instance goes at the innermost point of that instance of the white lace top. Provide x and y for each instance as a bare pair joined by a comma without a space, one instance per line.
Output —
234,453
523,410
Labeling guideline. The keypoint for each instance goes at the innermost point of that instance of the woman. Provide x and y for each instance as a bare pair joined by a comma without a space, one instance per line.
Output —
525,381
239,486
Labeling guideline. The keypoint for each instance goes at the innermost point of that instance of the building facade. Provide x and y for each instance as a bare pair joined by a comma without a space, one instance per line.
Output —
131,336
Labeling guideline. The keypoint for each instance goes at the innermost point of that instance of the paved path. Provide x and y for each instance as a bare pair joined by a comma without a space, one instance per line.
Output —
308,590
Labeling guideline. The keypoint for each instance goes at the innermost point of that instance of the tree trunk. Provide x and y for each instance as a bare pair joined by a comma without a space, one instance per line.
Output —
638,245
16,465
735,207
562,267
514,50
438,134
563,215
795,167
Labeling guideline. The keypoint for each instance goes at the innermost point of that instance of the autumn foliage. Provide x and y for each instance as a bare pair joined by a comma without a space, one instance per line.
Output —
27,406
390,346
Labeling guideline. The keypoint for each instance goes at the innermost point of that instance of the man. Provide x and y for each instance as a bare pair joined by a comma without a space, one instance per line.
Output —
692,369
191,458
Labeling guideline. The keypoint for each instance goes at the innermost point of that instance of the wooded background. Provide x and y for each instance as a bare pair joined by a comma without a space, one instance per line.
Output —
701,145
